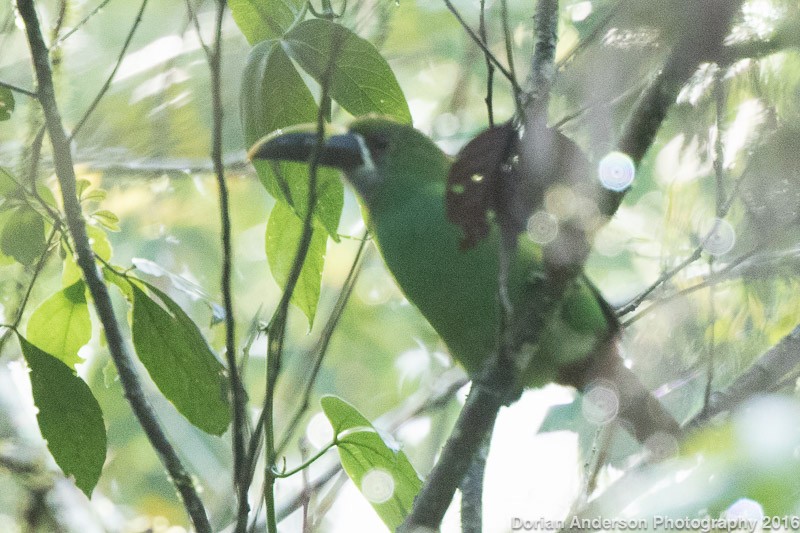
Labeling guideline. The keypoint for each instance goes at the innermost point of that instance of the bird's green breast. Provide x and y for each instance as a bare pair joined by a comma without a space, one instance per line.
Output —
455,290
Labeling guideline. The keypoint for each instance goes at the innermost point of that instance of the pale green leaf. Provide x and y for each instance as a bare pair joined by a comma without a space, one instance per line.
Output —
380,470
361,80
274,96
260,20
23,236
284,231
179,360
107,219
61,325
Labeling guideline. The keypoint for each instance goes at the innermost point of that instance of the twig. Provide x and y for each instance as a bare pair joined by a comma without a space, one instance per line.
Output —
488,53
507,40
277,328
589,39
663,278
80,24
636,89
196,23
710,281
768,369
238,395
489,65
94,281
723,206
110,78
321,348
19,90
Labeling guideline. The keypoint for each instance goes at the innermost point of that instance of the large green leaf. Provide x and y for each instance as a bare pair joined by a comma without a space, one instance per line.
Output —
23,235
69,417
260,20
274,96
284,230
61,324
361,80
382,473
179,360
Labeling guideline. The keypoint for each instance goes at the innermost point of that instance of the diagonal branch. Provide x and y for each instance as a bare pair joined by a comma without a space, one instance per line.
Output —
129,378
702,39
773,365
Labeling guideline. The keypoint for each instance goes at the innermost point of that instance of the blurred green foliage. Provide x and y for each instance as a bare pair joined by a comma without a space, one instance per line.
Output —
147,146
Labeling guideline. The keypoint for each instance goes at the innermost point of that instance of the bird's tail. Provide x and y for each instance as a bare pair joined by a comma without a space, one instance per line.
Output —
637,409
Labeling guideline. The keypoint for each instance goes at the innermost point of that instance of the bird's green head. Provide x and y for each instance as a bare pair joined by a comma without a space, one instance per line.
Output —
381,158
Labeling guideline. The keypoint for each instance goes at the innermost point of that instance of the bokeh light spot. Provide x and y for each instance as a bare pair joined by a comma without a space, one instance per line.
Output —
745,509
319,431
600,404
720,237
616,171
377,485
542,227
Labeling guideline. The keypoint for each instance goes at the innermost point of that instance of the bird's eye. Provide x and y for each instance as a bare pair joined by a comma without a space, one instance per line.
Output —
378,143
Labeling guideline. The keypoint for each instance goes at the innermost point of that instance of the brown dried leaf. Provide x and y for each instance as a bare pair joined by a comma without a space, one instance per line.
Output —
475,179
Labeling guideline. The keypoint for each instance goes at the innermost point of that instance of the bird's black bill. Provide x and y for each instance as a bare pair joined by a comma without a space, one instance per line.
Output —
339,151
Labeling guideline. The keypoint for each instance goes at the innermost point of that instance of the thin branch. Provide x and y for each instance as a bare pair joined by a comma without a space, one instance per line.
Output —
306,463
94,281
37,270
238,394
769,369
488,53
723,206
718,277
663,278
489,65
507,39
80,24
110,78
277,328
196,23
321,348
595,33
703,38
634,90
19,90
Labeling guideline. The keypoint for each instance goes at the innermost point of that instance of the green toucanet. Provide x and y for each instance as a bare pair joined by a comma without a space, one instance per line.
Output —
400,177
